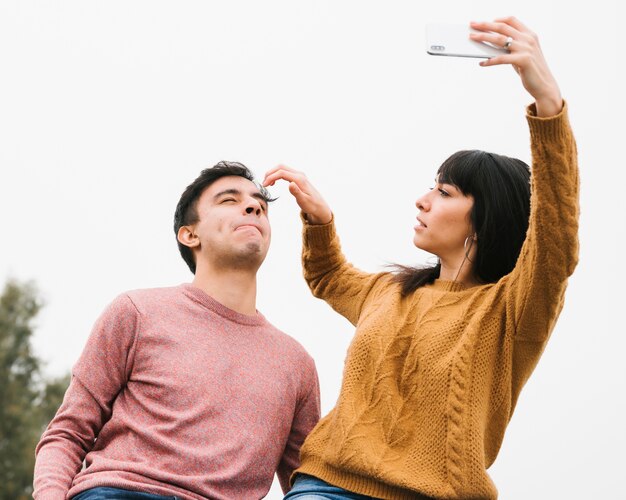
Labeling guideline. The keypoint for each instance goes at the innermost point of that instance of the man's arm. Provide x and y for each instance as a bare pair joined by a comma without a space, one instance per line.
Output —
66,441
306,417
97,378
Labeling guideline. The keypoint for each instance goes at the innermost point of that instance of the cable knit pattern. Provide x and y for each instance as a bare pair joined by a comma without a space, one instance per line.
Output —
431,380
175,394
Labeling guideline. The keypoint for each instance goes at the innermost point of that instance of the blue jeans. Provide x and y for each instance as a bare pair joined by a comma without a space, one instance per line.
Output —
106,493
308,487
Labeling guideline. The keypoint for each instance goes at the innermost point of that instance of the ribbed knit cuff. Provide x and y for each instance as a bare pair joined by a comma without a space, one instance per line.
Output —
317,236
548,129
50,495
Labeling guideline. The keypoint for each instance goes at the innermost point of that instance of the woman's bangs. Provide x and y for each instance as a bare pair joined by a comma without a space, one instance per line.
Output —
457,171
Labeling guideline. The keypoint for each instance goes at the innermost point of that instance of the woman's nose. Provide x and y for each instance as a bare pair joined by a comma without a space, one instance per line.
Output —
421,203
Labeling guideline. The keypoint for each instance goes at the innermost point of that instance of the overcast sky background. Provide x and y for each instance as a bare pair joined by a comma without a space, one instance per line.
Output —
109,109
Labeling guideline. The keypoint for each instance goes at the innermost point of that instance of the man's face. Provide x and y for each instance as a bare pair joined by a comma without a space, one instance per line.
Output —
233,229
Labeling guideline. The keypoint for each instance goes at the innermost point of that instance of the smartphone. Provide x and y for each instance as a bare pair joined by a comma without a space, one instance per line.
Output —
453,40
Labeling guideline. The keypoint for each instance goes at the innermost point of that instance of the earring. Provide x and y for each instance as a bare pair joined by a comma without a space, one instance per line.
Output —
471,238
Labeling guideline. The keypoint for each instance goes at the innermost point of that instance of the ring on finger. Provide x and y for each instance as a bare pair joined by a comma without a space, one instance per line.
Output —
508,43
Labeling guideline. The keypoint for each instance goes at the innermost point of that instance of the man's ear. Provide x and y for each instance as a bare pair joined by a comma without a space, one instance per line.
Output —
188,237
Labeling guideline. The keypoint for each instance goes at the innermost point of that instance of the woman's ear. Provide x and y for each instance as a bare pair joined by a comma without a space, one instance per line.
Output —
188,237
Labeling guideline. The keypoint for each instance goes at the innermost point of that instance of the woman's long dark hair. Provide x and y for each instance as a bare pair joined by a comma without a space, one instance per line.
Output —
500,187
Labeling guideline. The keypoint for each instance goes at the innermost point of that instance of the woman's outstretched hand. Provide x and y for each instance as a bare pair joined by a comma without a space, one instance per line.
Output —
526,58
308,198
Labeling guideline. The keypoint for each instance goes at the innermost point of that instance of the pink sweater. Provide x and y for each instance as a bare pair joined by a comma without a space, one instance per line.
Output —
175,394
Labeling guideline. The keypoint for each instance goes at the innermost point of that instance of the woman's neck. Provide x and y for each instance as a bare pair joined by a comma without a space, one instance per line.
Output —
459,272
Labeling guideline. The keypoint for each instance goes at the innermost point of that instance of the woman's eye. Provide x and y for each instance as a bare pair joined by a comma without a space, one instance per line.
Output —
443,193
228,199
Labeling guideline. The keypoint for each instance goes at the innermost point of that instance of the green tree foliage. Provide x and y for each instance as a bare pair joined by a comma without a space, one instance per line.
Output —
27,400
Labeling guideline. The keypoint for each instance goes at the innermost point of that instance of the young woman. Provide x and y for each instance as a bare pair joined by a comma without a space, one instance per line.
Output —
441,354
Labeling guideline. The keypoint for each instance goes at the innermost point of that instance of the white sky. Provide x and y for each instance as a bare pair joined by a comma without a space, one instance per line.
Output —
109,109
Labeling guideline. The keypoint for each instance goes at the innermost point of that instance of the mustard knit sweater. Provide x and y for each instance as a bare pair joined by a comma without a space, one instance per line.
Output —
431,380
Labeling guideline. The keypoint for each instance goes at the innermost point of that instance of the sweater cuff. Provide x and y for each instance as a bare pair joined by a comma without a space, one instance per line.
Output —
50,494
551,128
317,235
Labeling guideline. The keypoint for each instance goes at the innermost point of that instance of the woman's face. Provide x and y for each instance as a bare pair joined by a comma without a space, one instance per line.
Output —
443,222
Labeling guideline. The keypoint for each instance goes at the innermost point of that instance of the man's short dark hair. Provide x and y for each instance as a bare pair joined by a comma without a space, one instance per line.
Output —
186,212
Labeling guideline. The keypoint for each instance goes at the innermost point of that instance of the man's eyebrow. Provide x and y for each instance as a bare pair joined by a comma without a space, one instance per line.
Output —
225,192
265,203
257,194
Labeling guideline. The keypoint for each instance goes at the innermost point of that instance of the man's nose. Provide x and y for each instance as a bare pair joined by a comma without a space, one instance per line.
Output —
253,207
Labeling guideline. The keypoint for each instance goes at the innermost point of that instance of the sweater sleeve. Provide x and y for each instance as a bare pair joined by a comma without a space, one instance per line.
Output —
329,276
536,286
306,417
98,376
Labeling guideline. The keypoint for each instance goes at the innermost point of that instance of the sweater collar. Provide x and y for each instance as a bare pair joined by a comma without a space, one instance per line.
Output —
449,286
201,297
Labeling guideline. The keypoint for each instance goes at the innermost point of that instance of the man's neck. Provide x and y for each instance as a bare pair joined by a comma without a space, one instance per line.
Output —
235,289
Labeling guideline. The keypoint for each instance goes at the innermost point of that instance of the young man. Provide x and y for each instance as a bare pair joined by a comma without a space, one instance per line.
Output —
187,392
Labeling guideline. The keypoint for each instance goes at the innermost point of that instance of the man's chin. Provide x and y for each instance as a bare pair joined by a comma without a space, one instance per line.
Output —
251,256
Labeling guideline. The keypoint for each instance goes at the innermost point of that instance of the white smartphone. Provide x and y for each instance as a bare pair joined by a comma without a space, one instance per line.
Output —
453,40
